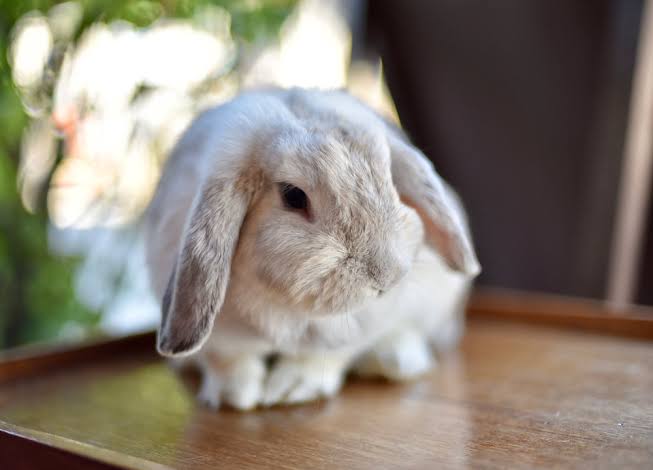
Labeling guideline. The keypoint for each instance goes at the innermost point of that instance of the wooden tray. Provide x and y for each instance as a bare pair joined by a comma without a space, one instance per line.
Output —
516,394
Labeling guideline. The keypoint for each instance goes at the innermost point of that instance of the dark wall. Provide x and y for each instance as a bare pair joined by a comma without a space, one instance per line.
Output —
522,106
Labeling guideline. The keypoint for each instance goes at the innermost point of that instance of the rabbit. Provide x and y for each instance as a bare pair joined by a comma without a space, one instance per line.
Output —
301,226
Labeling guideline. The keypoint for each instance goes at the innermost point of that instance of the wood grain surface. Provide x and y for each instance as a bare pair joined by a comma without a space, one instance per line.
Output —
513,396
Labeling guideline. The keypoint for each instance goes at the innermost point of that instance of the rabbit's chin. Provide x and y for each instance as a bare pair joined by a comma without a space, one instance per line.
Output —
342,302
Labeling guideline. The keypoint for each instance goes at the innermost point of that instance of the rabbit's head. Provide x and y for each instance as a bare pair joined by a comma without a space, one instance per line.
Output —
322,211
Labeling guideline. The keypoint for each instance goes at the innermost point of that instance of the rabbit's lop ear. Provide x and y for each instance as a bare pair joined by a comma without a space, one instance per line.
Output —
420,187
197,286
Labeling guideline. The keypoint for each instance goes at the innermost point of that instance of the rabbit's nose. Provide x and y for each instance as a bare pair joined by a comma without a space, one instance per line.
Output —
385,273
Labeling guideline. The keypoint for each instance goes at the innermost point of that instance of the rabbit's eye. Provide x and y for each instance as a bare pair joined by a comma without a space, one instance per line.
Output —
294,198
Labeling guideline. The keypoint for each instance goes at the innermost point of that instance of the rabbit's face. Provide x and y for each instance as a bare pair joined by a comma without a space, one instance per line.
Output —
329,230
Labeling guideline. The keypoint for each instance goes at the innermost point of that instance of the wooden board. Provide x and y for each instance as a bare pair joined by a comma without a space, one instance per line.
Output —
513,396
586,315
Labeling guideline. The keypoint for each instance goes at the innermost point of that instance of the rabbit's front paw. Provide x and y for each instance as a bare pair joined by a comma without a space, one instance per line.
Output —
303,379
402,355
236,382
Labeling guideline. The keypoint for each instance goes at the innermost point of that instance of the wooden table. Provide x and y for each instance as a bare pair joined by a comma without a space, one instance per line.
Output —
513,396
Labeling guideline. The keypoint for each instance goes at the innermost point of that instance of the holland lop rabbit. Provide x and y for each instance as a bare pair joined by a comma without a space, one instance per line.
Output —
299,224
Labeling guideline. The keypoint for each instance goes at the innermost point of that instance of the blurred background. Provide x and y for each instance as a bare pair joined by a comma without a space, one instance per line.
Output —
525,106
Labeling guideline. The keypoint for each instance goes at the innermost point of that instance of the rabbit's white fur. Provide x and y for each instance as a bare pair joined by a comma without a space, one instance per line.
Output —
357,286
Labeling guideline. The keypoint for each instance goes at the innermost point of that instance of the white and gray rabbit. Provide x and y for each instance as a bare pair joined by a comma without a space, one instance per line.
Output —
298,223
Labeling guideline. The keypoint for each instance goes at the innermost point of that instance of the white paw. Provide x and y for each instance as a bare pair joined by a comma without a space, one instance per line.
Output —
401,356
447,335
209,392
298,380
238,383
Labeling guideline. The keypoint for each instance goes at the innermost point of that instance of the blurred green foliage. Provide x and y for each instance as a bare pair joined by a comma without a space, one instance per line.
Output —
37,296
36,292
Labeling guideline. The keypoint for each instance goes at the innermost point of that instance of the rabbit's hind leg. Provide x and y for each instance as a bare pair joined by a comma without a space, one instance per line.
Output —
402,355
